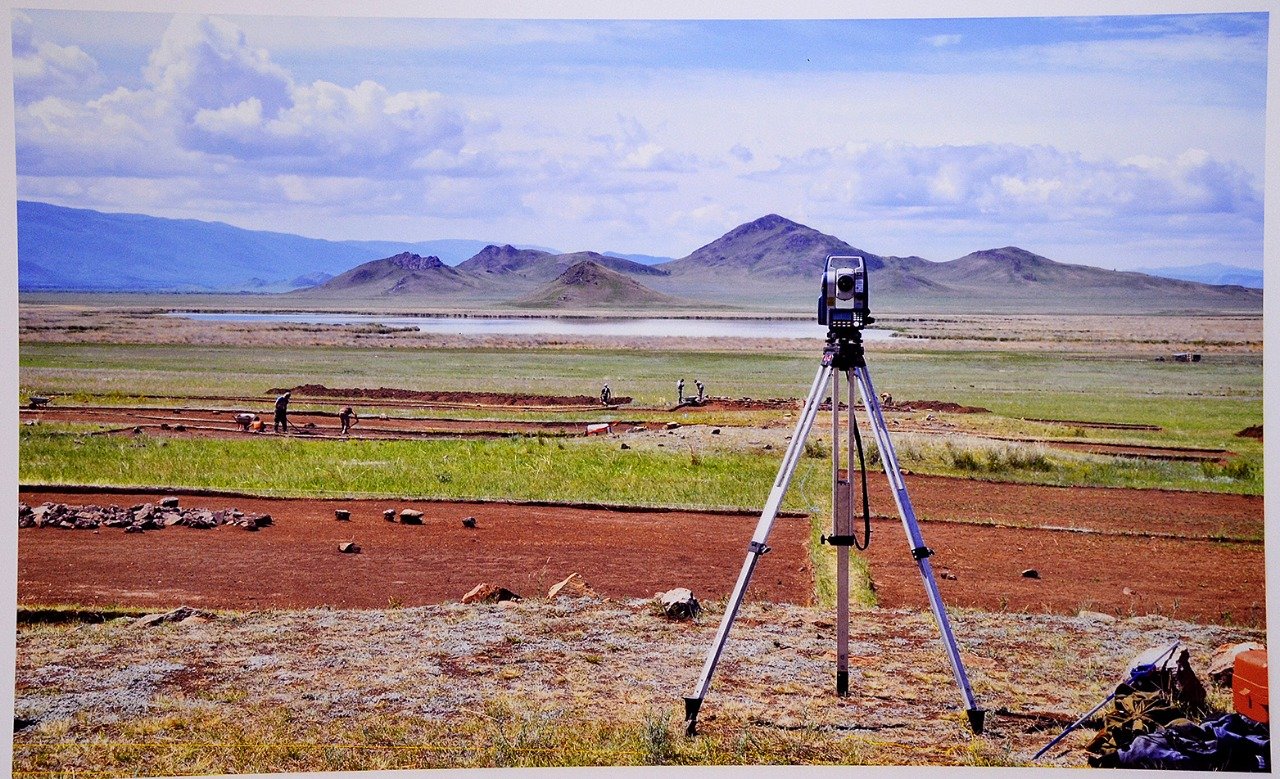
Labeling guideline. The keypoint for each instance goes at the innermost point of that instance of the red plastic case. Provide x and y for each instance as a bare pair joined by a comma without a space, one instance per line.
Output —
1249,685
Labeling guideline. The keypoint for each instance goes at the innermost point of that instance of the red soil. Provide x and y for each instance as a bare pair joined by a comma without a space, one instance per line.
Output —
1089,546
295,563
220,423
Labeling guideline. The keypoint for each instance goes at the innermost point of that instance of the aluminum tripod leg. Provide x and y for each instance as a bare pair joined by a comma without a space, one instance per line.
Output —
918,550
757,546
841,527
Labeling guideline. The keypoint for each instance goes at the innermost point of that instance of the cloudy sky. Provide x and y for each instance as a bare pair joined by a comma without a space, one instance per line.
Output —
1120,141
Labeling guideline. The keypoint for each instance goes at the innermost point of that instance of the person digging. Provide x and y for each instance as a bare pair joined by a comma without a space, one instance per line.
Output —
347,417
282,413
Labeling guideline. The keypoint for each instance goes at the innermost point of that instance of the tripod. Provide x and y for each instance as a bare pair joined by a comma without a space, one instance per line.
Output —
843,354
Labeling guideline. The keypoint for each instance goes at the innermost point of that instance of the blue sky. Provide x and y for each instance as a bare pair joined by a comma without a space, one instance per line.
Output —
1119,141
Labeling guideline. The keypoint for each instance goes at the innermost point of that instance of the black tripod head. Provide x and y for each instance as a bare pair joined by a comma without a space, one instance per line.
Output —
844,350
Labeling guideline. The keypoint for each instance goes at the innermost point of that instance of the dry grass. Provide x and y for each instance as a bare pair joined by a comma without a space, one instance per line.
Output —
570,682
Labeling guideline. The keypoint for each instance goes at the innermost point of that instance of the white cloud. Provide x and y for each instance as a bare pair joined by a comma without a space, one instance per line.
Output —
210,100
1005,182
41,67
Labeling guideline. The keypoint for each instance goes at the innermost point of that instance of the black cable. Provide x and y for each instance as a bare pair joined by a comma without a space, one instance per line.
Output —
866,505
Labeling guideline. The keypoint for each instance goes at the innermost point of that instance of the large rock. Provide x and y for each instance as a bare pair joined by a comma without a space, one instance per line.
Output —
1222,665
489,593
410,517
680,604
180,614
574,586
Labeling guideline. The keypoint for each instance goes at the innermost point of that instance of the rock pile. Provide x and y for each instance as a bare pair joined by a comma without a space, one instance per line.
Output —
135,519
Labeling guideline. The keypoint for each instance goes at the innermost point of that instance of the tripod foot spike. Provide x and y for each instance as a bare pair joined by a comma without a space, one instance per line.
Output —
976,718
691,706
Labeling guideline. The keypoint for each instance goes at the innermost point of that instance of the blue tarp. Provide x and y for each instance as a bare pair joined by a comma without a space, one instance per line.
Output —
1229,743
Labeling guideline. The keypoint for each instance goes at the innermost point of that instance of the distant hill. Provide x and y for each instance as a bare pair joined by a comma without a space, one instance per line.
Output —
770,263
588,284
502,260
775,250
78,249
1209,273
539,266
404,274
1019,274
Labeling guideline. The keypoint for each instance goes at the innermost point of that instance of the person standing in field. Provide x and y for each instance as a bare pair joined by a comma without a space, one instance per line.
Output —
702,389
605,395
347,417
282,412
679,392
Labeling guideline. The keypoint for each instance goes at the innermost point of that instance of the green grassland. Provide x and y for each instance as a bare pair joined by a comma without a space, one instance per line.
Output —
1101,388
515,468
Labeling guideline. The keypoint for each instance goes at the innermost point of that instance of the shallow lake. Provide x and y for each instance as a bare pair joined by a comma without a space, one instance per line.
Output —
693,328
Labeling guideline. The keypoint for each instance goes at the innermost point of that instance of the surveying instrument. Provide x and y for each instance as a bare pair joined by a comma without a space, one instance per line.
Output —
843,308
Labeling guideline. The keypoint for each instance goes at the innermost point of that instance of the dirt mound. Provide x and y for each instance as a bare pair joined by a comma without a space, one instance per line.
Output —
429,396
1254,431
937,405
740,404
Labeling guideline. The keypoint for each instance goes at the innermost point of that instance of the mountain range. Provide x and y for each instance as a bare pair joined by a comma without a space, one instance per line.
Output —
768,263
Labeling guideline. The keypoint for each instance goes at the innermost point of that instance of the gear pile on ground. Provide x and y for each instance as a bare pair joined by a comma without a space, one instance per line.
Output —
137,518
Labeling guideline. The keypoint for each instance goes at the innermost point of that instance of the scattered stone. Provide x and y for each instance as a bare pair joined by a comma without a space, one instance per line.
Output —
180,614
625,446
573,587
342,515
1097,616
673,426
389,515
411,517
489,593
1030,573
469,522
349,547
715,431
137,430
1127,591
680,604
136,518
948,575
1222,665
180,428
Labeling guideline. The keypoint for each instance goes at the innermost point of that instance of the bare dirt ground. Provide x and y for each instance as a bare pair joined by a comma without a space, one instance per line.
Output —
295,563
1117,551
196,421
219,423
